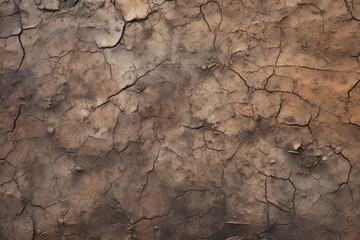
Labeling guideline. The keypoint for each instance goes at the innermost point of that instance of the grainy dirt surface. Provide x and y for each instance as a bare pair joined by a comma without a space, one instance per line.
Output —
183,119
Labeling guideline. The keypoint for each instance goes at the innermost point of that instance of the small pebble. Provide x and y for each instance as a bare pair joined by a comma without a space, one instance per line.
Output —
272,161
296,144
337,149
211,65
78,169
50,129
318,152
324,158
203,67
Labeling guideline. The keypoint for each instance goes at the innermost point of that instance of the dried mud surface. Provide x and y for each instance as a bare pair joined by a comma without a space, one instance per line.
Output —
183,119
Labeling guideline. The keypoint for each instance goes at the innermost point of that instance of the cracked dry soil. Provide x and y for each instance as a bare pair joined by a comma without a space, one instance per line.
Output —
182,119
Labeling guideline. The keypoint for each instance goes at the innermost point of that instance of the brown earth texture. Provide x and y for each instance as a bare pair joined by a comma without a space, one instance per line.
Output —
180,119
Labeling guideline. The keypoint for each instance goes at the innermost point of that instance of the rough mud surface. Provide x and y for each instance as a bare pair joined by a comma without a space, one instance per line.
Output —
183,119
